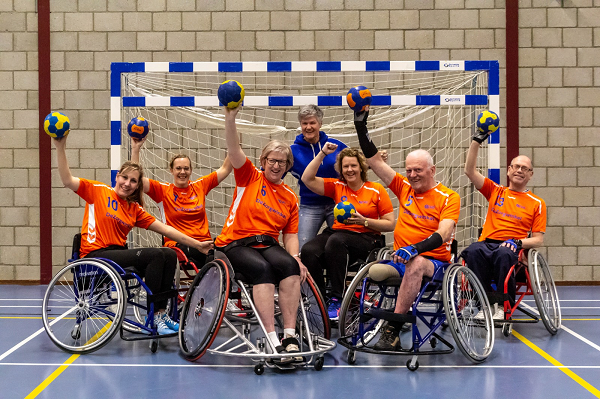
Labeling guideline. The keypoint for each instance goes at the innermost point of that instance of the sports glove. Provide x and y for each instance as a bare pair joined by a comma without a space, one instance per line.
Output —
407,253
361,117
513,244
480,137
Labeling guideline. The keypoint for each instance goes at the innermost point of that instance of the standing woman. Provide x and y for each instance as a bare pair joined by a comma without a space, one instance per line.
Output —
182,203
263,207
110,213
337,247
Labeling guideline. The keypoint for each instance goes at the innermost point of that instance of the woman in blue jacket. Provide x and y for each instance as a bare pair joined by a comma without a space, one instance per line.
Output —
314,209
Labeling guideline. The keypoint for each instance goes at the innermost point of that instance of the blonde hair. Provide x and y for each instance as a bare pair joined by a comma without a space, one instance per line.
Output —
355,153
279,146
137,195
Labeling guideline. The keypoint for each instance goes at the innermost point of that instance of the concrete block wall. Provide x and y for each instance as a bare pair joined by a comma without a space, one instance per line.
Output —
559,97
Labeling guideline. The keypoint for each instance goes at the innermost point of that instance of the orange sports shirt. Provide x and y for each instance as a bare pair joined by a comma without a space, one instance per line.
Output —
420,215
184,208
511,214
108,218
371,201
259,207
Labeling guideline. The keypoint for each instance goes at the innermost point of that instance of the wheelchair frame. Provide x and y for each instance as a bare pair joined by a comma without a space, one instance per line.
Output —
539,283
205,311
367,305
96,291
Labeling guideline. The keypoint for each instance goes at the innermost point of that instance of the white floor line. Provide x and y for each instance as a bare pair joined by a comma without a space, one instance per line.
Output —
573,333
32,336
400,366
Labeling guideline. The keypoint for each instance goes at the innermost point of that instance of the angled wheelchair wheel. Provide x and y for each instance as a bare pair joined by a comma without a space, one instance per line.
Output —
80,312
135,309
468,313
314,306
350,308
204,309
544,291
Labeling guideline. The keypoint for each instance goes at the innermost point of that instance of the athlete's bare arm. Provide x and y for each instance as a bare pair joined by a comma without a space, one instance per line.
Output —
234,151
64,171
470,166
136,147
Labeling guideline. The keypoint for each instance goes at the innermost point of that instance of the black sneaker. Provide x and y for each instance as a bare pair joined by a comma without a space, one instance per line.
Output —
389,340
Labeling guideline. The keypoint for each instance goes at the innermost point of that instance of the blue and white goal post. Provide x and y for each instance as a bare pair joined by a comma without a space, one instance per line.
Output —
415,104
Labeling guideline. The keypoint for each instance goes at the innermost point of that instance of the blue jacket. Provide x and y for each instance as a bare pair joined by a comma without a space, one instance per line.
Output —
304,152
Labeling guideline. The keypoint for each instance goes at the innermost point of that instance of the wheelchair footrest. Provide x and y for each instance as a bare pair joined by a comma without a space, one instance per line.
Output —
387,315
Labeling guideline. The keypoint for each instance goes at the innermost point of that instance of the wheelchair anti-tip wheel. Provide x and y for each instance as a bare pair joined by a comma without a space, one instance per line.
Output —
544,291
468,313
80,312
204,309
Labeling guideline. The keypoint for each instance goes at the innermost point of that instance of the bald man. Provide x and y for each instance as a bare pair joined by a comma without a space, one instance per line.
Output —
424,230
516,219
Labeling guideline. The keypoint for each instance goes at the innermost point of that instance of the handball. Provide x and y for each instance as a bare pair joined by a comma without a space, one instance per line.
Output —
343,210
488,122
57,125
138,128
231,93
358,98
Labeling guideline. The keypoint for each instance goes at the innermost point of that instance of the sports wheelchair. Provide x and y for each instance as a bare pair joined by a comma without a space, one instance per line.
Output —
532,277
462,305
85,305
206,310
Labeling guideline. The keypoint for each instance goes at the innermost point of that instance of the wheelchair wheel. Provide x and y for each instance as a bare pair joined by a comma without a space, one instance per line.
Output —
314,306
468,313
80,312
204,309
350,308
136,295
544,291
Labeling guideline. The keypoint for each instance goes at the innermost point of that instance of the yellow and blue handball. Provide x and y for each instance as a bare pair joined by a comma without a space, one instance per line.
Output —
57,125
343,210
488,122
231,93
358,98
138,128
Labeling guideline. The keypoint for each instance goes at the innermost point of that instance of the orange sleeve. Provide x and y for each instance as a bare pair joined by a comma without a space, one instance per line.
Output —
143,218
155,192
209,182
452,209
539,218
384,205
329,187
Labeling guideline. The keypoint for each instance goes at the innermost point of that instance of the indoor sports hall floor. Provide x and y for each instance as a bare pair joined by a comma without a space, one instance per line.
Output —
529,364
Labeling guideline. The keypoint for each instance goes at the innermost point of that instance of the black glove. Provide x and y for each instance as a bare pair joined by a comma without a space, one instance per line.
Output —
480,137
361,117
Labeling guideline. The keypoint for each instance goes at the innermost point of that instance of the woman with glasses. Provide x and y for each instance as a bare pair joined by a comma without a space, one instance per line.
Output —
182,203
263,207
341,245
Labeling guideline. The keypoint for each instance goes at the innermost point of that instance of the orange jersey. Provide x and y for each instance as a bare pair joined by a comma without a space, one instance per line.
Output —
420,215
184,208
511,214
371,201
259,207
108,218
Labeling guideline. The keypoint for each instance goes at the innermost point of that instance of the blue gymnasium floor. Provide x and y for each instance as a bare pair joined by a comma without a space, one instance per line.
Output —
564,366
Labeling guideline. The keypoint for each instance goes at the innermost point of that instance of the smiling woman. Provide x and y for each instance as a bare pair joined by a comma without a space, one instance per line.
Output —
110,213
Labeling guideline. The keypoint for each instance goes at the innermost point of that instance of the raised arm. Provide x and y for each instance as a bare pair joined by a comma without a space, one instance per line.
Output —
234,151
374,157
168,231
68,180
224,170
136,147
309,177
470,166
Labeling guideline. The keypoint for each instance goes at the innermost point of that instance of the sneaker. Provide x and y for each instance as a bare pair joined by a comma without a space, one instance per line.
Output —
333,311
172,324
161,327
498,314
389,340
290,345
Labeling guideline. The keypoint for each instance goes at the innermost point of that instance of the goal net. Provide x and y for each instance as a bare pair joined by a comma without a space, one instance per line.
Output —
422,104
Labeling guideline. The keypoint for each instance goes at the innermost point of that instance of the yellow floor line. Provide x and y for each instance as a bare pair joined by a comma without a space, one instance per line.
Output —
64,366
594,391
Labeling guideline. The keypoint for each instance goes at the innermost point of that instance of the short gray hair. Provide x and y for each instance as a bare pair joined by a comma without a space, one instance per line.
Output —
309,110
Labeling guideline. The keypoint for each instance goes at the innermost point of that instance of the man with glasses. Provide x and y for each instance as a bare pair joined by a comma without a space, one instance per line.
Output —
516,219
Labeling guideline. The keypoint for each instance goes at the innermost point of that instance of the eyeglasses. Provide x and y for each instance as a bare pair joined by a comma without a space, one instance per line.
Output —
525,169
272,162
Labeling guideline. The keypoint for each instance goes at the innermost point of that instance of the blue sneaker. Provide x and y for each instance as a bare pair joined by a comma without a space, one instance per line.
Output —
173,325
161,326
333,311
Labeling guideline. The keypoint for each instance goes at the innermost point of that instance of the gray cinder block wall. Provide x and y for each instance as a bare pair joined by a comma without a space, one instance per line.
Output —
559,96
